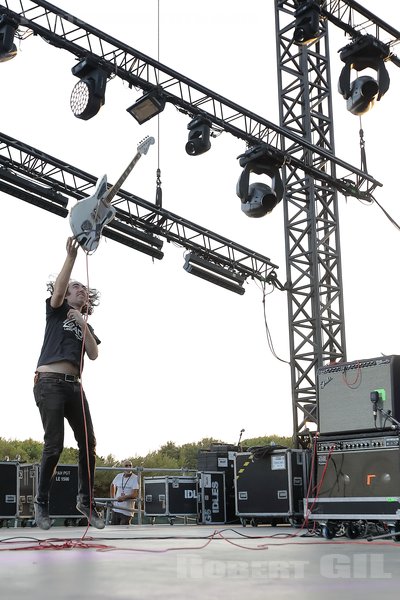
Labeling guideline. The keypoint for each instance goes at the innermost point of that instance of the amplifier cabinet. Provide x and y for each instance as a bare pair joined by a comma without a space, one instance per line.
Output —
357,480
211,498
170,496
270,484
344,395
9,492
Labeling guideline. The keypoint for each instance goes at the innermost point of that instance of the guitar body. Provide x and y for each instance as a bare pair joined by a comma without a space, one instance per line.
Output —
89,215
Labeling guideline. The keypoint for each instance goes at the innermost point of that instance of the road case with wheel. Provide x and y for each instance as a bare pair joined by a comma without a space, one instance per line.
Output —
270,485
170,497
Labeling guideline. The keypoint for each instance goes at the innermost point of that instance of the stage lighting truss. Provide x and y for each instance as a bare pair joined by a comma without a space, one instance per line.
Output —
88,95
223,276
361,94
148,106
259,199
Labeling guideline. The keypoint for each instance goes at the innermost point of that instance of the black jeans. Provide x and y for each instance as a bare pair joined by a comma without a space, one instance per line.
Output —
58,399
118,518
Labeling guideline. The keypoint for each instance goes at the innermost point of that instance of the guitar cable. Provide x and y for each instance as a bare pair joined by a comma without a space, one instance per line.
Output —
84,332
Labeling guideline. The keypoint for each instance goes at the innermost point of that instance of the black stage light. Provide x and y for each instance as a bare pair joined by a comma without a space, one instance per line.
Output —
88,95
56,204
131,242
259,199
199,136
361,94
144,236
306,29
7,31
148,106
201,267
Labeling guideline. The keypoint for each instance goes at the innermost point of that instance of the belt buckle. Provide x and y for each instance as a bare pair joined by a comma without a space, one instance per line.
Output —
71,378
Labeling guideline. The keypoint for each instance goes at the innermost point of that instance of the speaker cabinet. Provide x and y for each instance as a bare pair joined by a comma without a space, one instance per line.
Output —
374,473
344,395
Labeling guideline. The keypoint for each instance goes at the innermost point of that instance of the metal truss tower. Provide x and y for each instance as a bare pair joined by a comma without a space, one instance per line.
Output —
313,264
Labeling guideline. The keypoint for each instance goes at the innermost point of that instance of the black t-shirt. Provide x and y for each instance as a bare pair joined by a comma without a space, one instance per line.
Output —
62,337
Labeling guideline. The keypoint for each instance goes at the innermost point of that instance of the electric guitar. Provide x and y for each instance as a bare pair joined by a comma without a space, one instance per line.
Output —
89,216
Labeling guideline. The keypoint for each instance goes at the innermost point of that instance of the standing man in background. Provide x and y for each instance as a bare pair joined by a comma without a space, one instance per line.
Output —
58,391
125,489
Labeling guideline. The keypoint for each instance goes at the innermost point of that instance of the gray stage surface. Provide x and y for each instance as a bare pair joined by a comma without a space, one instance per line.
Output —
193,562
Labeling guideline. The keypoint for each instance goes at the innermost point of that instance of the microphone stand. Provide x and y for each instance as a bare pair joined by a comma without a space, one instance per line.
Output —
388,415
239,440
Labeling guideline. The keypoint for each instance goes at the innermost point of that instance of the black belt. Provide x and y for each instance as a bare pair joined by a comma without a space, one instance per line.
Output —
63,376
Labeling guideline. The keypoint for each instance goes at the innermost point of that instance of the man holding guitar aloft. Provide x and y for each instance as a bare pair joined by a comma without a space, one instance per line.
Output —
58,391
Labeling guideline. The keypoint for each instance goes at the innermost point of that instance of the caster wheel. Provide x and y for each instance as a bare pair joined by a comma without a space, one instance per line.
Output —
355,530
352,531
295,522
253,523
273,522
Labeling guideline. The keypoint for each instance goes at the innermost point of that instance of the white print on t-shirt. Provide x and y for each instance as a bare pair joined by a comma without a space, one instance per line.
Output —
71,325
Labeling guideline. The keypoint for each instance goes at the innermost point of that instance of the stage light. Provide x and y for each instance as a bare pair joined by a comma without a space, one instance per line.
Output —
36,196
222,276
306,29
199,136
259,199
148,106
88,95
129,236
7,31
131,242
361,94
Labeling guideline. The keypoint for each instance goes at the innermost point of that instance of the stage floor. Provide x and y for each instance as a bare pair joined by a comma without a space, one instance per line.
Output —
193,562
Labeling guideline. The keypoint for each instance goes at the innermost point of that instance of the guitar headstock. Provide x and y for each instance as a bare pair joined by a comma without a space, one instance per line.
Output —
145,144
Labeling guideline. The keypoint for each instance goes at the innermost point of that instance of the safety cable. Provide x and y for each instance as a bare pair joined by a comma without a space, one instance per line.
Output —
364,168
158,201
362,149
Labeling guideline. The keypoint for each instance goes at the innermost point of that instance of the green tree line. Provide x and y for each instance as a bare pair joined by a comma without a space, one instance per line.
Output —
168,456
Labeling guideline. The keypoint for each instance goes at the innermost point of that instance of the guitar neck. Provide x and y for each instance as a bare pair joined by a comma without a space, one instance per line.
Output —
115,188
